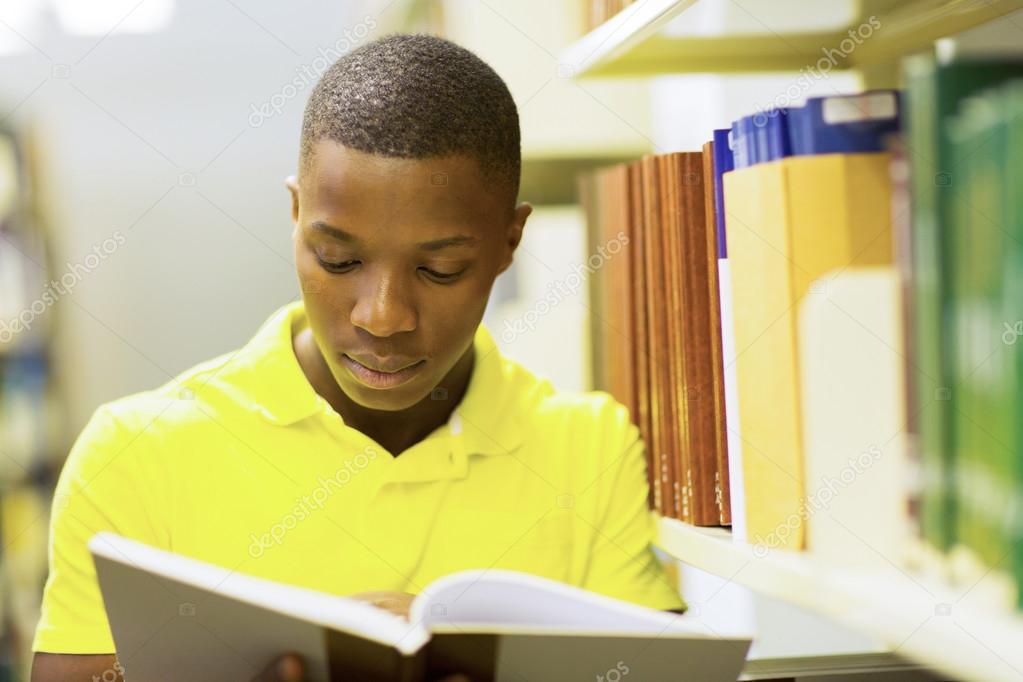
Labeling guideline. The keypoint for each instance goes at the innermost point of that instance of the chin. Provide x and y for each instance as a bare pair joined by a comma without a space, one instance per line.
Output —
387,403
387,400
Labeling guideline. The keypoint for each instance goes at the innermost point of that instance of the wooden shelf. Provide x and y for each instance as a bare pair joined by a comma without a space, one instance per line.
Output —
631,43
962,629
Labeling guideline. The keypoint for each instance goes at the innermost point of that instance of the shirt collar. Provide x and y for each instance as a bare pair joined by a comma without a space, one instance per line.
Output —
486,420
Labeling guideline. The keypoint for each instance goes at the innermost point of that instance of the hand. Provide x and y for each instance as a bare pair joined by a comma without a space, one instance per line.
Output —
285,668
397,603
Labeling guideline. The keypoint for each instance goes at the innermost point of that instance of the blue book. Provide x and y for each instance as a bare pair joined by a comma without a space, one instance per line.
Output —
775,135
722,164
759,138
844,124
742,142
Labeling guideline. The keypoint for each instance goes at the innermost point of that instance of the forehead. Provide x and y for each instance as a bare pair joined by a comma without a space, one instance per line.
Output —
338,182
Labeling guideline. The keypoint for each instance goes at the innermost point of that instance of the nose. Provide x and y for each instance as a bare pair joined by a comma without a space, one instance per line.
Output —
384,308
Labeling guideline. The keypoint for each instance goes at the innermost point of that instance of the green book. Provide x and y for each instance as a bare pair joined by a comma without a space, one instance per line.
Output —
984,389
1012,310
934,93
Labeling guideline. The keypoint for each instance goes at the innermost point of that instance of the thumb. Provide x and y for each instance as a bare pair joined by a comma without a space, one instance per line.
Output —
290,668
285,668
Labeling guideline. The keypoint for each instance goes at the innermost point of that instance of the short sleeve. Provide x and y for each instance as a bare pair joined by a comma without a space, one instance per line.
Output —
623,563
99,489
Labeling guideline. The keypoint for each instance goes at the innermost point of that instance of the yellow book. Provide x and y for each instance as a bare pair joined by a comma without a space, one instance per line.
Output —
789,223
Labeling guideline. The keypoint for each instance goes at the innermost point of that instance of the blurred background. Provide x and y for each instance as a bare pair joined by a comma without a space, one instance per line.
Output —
144,225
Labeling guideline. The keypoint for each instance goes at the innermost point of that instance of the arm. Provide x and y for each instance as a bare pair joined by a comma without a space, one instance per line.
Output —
73,667
622,562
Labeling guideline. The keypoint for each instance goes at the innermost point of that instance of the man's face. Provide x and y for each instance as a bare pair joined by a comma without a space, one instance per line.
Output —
396,259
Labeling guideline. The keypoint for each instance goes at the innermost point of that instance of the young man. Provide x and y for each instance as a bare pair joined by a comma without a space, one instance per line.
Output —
370,438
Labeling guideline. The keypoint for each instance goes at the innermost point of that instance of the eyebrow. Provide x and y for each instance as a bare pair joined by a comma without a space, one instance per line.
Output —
433,245
331,231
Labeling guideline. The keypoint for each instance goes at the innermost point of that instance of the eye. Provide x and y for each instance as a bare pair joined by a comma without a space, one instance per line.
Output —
441,277
337,267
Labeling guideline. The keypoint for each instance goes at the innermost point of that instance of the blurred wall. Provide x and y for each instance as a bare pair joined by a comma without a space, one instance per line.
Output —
163,159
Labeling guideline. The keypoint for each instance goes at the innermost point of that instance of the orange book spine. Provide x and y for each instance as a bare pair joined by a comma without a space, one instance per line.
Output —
640,326
699,414
657,349
722,497
672,312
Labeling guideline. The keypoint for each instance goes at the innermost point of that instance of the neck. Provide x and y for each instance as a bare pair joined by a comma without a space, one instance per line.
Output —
394,430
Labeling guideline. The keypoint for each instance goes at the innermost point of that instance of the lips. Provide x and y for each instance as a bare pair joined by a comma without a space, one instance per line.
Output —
376,372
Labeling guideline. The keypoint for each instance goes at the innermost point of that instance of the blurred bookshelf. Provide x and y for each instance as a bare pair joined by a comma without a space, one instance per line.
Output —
30,438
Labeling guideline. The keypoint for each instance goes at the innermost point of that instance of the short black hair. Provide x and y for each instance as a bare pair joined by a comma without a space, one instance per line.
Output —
417,96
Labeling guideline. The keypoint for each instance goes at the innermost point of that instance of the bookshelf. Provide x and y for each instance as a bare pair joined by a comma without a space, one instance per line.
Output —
949,614
633,43
954,627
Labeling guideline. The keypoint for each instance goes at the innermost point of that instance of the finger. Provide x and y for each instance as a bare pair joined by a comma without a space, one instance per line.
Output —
285,668
394,606
290,668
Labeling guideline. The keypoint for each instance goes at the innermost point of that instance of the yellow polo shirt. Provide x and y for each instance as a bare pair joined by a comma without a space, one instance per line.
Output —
240,463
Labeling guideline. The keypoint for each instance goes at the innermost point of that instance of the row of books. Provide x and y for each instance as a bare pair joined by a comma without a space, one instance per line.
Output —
797,228
703,311
824,125
655,323
821,339
964,267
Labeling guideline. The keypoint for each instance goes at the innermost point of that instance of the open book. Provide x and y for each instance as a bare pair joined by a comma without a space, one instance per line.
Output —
173,617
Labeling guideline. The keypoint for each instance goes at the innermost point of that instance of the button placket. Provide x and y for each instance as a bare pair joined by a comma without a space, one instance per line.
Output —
457,455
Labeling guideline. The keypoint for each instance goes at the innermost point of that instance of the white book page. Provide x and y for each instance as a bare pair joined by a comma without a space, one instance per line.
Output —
331,611
736,487
511,601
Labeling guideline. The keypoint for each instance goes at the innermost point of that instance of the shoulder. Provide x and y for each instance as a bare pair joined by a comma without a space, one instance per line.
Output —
206,386
155,420
584,442
584,412
580,422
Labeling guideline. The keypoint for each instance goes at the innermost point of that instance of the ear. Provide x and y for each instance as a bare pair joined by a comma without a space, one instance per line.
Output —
291,182
514,233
